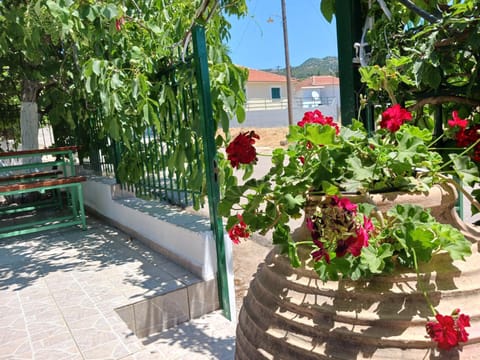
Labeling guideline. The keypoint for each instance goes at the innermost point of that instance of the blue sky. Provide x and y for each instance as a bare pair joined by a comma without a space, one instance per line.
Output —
257,39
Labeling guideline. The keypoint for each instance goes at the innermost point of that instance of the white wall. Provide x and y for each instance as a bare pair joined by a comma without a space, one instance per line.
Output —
261,90
279,117
183,237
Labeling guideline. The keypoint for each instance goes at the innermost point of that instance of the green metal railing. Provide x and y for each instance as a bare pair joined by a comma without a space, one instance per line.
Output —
9,125
160,150
178,156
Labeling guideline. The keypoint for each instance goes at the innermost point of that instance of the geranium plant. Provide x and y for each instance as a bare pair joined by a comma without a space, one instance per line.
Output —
327,175
465,133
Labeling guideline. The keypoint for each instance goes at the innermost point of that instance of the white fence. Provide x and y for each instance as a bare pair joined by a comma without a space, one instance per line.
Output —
267,113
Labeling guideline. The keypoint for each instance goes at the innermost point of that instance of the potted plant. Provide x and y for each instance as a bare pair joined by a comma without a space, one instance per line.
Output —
329,176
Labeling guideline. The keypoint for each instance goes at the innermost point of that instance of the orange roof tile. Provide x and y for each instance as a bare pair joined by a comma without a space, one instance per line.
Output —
264,76
321,80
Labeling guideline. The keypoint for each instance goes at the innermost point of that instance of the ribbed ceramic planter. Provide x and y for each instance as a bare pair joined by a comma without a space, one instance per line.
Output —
290,314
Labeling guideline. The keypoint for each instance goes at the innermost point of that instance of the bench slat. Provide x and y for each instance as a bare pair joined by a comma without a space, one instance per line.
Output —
42,183
60,149
35,175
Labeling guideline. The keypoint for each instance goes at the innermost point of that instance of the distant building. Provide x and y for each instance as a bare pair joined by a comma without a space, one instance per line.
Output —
318,90
266,90
267,102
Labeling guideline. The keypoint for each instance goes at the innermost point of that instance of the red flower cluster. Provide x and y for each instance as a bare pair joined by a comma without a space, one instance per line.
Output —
457,121
394,117
316,117
449,330
332,221
238,230
241,149
465,135
119,23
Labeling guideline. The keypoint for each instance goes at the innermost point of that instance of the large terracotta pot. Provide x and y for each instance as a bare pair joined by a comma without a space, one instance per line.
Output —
290,314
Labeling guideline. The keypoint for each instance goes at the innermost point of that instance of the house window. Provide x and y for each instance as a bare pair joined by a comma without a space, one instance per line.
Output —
275,93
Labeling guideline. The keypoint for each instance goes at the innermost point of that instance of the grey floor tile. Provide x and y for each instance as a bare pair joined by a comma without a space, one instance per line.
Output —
59,291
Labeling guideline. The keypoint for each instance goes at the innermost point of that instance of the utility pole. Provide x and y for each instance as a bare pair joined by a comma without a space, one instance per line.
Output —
287,64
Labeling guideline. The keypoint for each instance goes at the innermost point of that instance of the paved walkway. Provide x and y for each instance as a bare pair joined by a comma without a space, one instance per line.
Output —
59,291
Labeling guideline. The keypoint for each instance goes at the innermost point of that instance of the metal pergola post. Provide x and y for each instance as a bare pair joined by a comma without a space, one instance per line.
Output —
210,152
348,19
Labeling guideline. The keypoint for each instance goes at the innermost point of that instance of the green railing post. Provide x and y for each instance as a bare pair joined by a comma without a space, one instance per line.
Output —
348,17
210,153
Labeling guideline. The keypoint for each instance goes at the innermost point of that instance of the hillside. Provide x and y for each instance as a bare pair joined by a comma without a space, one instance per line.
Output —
313,66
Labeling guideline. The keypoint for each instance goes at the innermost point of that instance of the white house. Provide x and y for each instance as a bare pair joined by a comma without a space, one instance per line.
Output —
267,104
318,90
266,90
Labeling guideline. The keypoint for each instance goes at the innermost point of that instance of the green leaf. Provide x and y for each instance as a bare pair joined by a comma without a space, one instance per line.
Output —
146,113
117,104
453,241
320,135
361,171
465,168
329,188
293,202
240,114
426,74
116,82
327,7
369,256
110,11
281,236
96,67
422,241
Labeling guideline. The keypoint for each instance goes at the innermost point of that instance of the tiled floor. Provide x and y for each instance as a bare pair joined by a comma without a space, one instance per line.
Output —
62,294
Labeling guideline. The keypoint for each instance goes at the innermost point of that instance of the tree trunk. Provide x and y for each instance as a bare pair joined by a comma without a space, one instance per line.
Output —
29,117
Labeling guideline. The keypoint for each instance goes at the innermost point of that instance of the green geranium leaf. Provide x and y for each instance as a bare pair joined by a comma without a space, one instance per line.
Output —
424,134
421,240
369,256
294,202
466,169
329,188
360,171
453,241
408,148
320,135
354,133
281,236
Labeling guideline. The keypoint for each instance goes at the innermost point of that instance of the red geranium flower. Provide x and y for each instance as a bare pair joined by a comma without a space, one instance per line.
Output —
344,203
336,229
476,154
241,149
316,117
466,137
363,231
456,121
351,245
449,330
321,253
354,244
119,23
463,321
394,117
238,230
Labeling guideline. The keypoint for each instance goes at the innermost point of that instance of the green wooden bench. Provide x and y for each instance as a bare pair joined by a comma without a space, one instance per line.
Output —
13,183
16,178
65,161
